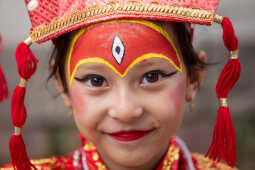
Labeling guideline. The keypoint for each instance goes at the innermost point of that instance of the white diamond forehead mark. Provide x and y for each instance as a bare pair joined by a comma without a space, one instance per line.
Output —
32,5
118,49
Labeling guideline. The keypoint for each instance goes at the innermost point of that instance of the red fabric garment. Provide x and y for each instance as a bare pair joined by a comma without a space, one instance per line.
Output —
173,160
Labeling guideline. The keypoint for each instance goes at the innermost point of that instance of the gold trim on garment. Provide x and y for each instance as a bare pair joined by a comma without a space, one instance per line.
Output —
174,11
206,163
89,146
172,155
39,164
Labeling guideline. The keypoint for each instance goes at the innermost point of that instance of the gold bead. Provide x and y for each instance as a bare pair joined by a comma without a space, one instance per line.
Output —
223,102
28,41
234,54
22,82
218,19
17,131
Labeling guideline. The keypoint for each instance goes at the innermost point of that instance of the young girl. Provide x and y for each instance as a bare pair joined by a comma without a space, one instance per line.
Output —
126,71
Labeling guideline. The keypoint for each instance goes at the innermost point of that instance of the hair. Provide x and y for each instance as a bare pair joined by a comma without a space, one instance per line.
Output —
190,57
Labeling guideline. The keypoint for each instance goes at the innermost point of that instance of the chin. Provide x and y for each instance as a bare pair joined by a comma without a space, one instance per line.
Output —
138,158
132,160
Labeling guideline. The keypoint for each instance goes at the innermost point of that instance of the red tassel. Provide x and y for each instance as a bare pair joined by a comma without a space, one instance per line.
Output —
18,153
26,61
223,144
27,64
18,109
4,94
229,37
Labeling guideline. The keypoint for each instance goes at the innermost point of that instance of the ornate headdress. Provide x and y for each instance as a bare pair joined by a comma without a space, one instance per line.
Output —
52,18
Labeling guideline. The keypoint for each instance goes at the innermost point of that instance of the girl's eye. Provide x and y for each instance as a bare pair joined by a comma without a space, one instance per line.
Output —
93,80
154,76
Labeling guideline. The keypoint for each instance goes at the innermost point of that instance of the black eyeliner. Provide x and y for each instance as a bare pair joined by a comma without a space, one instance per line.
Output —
170,74
162,72
85,78
81,79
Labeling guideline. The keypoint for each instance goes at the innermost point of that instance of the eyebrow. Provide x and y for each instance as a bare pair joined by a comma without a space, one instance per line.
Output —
93,66
147,63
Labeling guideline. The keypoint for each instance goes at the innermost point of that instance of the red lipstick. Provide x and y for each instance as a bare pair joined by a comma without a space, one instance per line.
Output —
130,135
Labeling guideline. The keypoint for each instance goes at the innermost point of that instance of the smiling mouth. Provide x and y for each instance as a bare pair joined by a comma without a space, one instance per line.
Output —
130,135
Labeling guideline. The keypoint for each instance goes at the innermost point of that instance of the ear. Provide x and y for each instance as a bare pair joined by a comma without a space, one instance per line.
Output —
194,83
65,96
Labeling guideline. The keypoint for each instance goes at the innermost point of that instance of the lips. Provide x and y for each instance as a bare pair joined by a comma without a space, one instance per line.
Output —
130,135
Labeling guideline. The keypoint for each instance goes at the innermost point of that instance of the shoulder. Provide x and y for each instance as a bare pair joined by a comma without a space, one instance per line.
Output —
51,163
203,163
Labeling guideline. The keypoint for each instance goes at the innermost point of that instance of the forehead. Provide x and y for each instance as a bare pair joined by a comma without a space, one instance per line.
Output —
121,45
102,36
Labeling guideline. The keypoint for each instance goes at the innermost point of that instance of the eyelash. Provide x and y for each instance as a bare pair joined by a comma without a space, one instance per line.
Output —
158,73
103,83
89,78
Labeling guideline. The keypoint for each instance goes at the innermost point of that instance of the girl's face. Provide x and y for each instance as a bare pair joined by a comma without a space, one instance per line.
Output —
129,118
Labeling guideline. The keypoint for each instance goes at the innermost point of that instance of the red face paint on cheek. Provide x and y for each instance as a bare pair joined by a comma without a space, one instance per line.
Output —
177,95
79,103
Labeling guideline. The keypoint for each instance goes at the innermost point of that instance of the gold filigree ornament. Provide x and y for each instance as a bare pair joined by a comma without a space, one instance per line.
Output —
172,155
76,18
208,164
89,146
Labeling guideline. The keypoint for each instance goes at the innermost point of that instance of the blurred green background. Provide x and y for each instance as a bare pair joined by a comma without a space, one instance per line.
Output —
50,131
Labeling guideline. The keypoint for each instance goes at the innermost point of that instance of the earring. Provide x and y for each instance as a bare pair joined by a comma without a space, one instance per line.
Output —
191,106
70,113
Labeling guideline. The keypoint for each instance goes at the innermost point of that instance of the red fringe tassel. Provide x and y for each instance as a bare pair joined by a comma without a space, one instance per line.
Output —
27,64
4,94
223,144
19,155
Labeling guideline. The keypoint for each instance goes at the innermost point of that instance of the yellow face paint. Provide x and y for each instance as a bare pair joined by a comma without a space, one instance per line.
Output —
120,44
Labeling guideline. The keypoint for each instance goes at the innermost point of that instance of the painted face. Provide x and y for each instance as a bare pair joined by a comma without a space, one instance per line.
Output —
116,46
128,105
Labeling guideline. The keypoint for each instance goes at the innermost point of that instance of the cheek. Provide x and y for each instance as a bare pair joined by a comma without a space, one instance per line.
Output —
80,109
177,97
79,103
174,105
86,115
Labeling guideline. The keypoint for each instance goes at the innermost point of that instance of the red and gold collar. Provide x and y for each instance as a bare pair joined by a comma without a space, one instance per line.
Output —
120,45
170,161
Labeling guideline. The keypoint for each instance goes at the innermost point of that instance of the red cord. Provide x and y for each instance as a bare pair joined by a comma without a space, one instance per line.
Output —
4,94
223,144
27,64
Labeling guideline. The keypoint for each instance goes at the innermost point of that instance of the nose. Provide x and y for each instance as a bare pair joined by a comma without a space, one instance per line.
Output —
125,106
